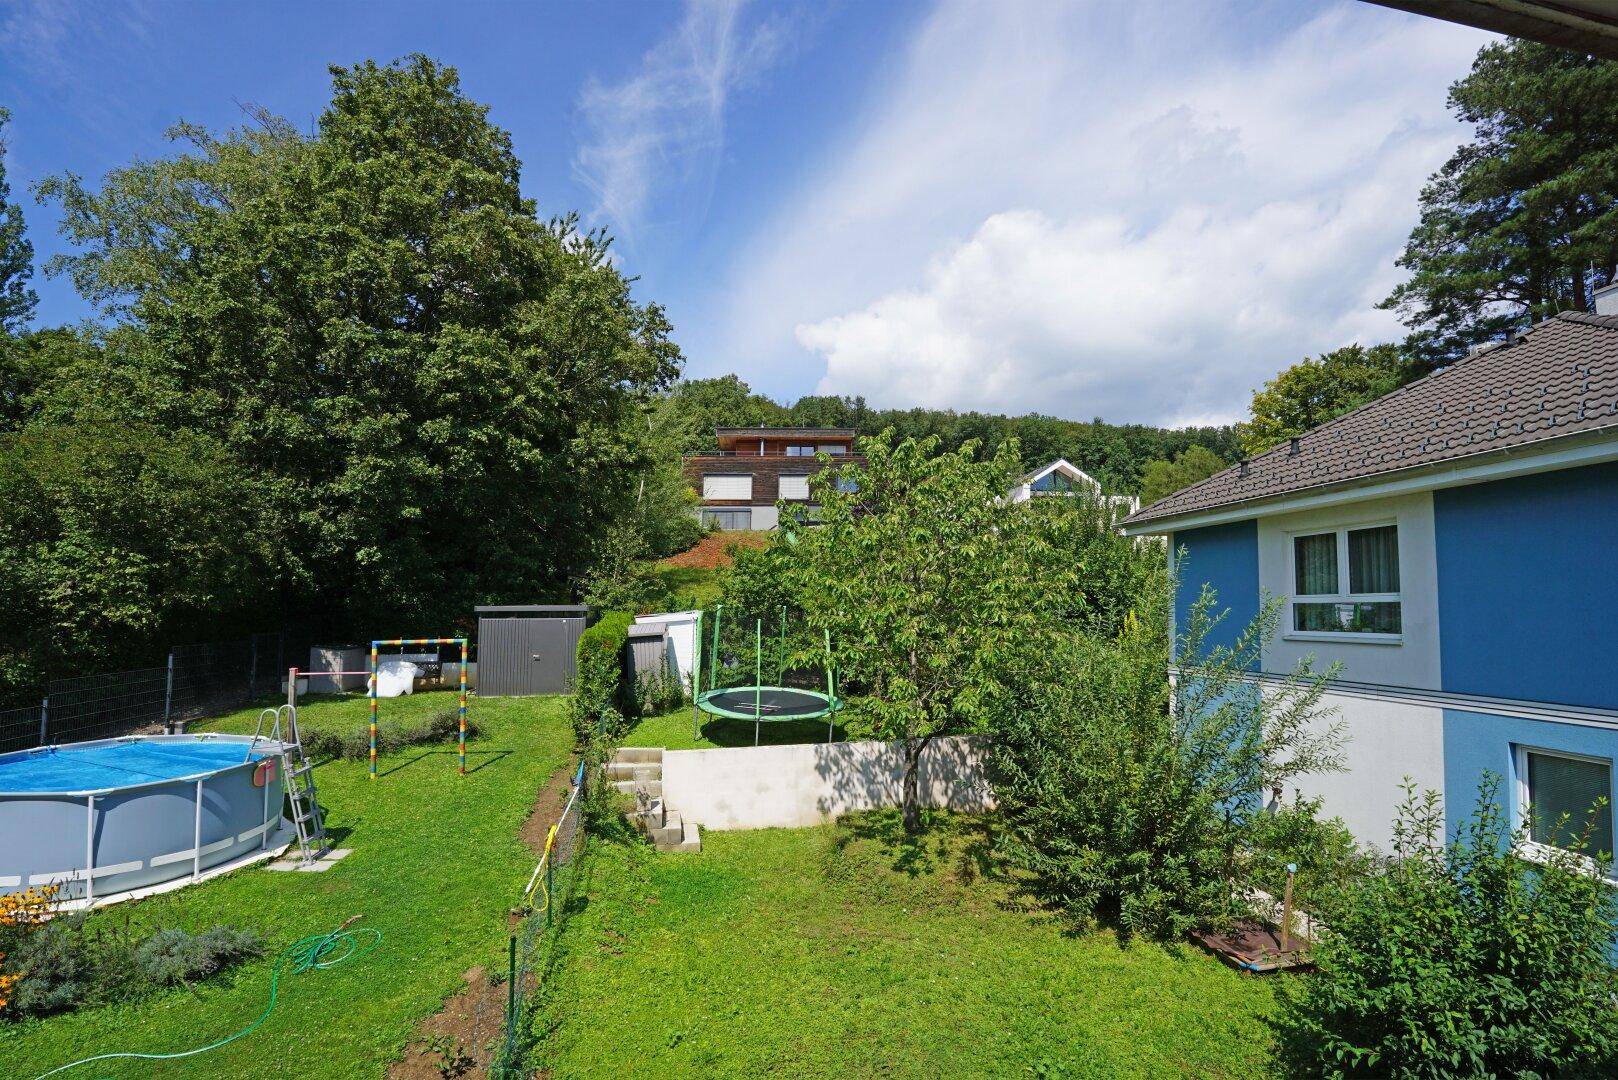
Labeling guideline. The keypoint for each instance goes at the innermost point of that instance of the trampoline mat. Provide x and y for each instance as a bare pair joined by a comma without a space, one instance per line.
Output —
770,702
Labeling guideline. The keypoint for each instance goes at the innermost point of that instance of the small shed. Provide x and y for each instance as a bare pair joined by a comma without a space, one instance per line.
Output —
681,640
528,648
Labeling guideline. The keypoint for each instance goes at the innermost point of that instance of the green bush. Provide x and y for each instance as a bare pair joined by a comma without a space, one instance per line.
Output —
173,957
1327,859
355,744
1462,959
65,964
1137,802
599,684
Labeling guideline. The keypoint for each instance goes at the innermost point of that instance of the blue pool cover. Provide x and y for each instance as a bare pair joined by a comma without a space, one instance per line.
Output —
97,767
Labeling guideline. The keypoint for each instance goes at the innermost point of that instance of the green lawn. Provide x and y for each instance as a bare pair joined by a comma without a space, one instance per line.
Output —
837,952
675,731
700,584
437,862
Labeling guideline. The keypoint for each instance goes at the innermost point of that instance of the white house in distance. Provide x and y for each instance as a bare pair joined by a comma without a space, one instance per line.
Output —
1061,477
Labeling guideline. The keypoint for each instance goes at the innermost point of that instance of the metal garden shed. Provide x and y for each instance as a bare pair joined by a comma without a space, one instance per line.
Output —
528,648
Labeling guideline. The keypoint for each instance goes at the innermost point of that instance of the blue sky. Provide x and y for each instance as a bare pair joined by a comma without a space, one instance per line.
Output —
1120,208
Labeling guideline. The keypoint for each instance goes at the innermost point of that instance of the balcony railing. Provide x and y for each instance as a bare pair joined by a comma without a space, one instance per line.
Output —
767,454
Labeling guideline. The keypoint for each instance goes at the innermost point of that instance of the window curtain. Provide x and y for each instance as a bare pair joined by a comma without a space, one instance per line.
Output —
1373,560
1558,786
1316,561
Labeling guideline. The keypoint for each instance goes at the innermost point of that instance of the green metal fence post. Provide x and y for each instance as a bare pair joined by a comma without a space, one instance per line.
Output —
511,991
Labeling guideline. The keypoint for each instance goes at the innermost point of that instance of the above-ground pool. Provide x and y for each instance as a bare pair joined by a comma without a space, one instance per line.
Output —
102,818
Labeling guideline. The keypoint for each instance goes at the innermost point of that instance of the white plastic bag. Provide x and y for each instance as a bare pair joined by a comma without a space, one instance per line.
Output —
395,677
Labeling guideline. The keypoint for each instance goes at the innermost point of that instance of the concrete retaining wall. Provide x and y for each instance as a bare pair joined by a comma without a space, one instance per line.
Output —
806,784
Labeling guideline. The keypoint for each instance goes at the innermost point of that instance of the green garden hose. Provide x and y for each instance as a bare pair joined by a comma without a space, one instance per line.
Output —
313,953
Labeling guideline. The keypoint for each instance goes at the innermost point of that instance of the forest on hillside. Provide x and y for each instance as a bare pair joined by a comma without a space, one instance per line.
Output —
1115,454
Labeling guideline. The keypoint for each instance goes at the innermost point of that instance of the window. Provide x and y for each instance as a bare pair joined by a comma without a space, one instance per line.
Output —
847,486
1560,796
833,448
729,518
1346,581
794,487
727,486
1054,483
800,451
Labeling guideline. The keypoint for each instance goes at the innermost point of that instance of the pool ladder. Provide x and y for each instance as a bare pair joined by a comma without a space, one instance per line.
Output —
298,774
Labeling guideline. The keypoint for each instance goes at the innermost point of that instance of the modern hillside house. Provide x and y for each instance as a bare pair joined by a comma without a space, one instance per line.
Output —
754,468
1062,478
1454,546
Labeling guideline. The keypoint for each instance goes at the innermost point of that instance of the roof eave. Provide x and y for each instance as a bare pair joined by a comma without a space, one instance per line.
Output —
1547,455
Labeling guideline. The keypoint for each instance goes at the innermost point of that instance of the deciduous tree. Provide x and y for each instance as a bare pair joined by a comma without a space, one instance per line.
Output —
1316,390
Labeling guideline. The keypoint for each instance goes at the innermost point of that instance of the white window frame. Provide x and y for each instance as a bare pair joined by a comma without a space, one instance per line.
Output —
781,486
797,450
1531,849
1342,595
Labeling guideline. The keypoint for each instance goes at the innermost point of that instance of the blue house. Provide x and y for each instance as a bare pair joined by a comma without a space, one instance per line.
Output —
1454,546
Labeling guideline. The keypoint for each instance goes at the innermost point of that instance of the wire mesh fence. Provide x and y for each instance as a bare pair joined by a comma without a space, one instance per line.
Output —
533,948
195,681
20,728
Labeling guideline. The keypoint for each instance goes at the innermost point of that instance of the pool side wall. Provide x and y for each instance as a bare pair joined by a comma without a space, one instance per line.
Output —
137,836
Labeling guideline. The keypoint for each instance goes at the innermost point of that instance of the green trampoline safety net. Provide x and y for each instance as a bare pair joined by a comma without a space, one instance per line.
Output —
767,703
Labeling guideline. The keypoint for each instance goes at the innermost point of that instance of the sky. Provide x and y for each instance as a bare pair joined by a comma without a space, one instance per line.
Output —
1131,209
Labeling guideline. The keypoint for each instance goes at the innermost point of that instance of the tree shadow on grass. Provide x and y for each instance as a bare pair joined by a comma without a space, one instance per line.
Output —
945,840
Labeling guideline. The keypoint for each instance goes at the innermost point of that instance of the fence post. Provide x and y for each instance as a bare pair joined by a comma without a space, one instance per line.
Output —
168,694
44,718
511,991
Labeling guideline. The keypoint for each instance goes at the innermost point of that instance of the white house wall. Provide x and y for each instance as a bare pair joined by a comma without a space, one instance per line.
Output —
1413,662
1385,741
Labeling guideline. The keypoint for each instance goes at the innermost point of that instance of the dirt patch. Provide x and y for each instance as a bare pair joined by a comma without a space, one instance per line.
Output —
716,550
459,1040
548,806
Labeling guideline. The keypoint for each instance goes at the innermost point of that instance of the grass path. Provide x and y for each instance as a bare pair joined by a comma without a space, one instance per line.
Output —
437,861
836,952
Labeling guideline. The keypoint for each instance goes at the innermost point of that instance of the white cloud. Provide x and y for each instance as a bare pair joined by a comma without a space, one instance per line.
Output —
1138,213
665,125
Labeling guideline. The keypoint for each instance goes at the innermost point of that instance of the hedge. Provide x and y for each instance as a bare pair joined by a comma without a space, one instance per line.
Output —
598,686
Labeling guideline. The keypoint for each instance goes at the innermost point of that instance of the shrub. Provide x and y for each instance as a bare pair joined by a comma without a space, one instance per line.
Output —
598,685
172,957
1128,798
72,961
355,744
1462,960
1328,860
61,966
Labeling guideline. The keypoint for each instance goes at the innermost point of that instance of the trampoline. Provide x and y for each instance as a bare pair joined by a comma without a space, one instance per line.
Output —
758,701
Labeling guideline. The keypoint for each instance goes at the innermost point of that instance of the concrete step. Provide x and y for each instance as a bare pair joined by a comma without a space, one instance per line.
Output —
652,815
651,788
640,754
634,770
690,838
670,834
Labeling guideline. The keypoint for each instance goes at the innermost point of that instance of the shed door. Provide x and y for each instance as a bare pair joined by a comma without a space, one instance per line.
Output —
527,656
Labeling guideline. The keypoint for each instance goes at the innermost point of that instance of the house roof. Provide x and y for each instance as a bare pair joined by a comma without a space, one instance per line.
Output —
1557,380
786,432
1066,467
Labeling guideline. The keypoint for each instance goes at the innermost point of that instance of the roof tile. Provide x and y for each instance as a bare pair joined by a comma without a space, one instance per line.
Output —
1557,380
